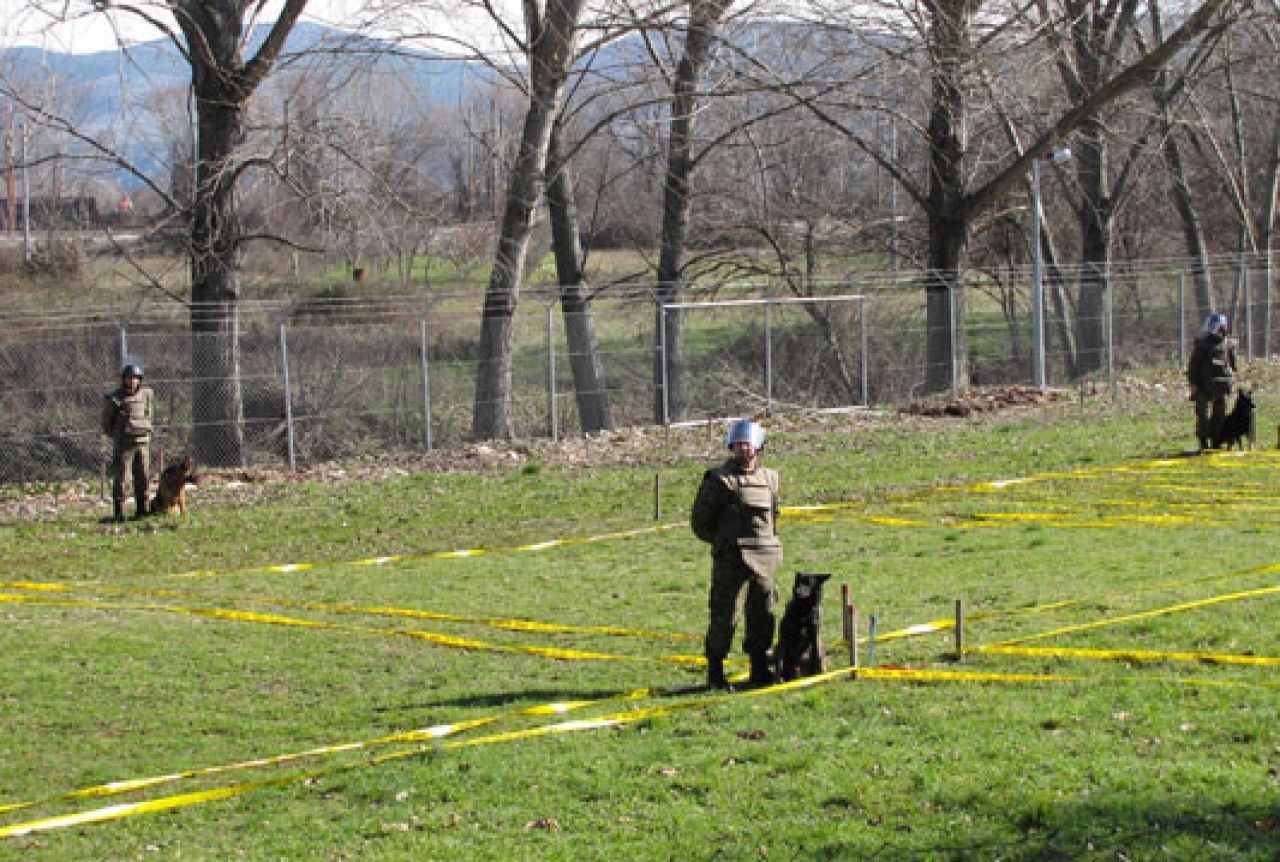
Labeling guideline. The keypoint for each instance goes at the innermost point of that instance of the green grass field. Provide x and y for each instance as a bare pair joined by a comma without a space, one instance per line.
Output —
267,660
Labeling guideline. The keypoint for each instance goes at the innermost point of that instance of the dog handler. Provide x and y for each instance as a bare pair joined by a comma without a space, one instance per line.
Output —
1210,372
736,511
126,419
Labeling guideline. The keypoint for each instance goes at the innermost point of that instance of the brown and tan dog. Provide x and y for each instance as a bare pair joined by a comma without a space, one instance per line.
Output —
172,493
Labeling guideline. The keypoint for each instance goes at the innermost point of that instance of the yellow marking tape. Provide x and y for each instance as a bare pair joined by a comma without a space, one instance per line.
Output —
492,622
917,630
435,555
438,731
1125,654
801,514
431,637
1128,618
115,812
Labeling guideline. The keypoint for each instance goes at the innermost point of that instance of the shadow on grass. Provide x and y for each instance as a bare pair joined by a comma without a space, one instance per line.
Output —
532,697
1114,827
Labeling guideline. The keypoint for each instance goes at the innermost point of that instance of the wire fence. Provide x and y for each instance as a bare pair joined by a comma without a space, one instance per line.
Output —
321,381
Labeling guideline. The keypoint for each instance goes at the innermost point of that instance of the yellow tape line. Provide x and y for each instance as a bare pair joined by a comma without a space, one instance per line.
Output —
801,514
430,637
169,803
492,622
1128,654
438,731
1127,618
284,568
116,812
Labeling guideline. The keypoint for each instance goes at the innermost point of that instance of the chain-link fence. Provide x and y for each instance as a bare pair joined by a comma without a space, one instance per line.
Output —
292,384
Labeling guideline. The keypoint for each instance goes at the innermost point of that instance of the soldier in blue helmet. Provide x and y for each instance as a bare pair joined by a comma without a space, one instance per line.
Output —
736,512
1210,373
126,419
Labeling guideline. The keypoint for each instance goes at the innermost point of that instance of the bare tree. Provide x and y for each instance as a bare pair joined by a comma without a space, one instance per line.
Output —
580,333
550,34
223,81
705,16
211,37
958,35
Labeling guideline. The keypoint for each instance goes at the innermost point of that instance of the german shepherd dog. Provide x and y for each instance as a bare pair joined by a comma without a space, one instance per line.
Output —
799,652
172,493
1237,424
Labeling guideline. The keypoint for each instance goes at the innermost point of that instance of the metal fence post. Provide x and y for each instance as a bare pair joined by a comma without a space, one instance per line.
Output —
768,356
1248,311
426,383
1037,282
288,398
662,348
862,337
1265,286
952,287
1182,320
1109,322
551,373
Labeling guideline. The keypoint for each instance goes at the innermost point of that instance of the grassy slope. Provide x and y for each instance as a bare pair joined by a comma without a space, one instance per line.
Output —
1130,762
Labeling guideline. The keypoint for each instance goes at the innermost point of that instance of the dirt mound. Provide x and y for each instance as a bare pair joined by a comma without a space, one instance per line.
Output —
986,400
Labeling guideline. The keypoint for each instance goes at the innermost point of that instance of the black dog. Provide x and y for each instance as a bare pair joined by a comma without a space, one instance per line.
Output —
1237,426
799,651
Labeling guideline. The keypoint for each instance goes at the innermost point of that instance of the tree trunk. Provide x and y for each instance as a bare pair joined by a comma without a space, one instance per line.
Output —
579,326
1184,203
948,210
550,56
216,404
668,378
1096,219
223,84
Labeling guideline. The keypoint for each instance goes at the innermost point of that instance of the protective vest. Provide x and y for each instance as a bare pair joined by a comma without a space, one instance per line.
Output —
1212,364
736,507
127,417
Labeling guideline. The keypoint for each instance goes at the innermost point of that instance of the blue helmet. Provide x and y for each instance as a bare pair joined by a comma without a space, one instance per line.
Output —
131,369
1215,322
744,430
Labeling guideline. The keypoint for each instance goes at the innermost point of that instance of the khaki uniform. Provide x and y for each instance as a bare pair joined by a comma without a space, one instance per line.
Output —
1211,370
126,419
736,511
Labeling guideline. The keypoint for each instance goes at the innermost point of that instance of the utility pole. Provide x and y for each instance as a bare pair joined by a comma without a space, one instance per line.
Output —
10,176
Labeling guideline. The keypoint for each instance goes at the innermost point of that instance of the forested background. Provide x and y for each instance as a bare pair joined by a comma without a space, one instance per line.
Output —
481,164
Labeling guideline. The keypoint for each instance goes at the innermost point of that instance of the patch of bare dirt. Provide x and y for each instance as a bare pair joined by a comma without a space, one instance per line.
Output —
987,400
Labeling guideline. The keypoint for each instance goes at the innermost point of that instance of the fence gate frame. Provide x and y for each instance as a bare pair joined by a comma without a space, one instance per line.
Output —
768,303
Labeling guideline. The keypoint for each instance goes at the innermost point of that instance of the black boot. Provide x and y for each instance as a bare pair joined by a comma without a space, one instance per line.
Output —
761,673
141,509
715,675
117,513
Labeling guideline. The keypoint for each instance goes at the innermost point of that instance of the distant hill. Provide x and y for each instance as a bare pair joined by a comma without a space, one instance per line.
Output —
108,91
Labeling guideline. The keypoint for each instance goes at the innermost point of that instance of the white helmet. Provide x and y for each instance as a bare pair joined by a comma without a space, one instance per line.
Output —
744,430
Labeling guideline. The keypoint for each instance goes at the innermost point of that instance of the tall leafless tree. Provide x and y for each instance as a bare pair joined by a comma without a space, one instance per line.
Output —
551,32
704,17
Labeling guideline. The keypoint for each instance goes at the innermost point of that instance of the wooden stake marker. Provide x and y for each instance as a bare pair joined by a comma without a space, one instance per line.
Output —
849,621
